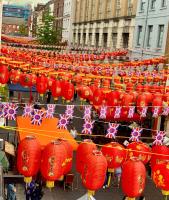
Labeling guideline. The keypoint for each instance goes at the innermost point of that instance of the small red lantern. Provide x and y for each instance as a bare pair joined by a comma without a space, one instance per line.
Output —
41,84
85,148
141,102
15,76
56,89
68,94
53,162
26,80
160,153
98,97
28,157
139,150
160,175
133,178
4,74
94,171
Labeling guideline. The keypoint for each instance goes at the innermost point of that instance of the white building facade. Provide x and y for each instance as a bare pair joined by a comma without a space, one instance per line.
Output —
151,29
67,33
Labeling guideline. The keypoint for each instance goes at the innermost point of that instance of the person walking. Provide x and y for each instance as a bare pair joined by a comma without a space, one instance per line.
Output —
29,188
11,192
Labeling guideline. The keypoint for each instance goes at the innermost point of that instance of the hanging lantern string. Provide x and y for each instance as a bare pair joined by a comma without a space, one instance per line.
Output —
100,121
129,150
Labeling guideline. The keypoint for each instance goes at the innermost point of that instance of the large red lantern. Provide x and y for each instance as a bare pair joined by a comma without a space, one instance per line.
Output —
15,76
84,149
56,89
139,150
4,74
133,178
160,153
98,97
84,92
41,84
26,80
53,162
160,176
94,173
28,157
68,94
157,103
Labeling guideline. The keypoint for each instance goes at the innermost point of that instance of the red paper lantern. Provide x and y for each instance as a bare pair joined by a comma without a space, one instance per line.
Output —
15,76
84,149
160,176
157,102
68,94
53,162
115,155
28,157
56,89
159,154
94,171
4,74
127,101
129,87
41,84
98,97
26,80
141,103
133,178
84,92
139,150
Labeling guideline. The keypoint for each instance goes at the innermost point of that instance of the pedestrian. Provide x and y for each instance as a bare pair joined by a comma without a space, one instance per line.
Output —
73,132
29,190
11,192
49,94
37,193
117,174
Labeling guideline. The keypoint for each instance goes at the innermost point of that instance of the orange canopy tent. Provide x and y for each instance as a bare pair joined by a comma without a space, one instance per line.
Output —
45,133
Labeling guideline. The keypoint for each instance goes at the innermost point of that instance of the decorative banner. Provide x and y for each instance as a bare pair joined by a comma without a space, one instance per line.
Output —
159,138
63,122
50,111
1,110
103,112
88,126
28,109
87,112
117,112
112,130
135,134
131,112
156,112
37,117
69,111
10,111
144,112
165,111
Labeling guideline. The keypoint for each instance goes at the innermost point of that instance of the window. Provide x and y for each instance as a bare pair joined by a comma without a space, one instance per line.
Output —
153,2
163,3
117,8
160,36
142,5
140,29
149,36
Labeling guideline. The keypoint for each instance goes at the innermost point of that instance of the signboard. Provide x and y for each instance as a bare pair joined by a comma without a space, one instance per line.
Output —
9,148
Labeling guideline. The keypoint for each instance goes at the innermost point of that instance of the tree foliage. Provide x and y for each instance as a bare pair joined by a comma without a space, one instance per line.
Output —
46,33
23,30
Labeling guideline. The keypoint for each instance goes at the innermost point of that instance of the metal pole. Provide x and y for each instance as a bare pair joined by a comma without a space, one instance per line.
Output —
1,12
1,183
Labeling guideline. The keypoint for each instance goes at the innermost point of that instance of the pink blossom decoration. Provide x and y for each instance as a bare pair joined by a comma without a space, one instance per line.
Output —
112,130
144,111
135,134
28,110
131,112
1,110
63,122
156,112
159,138
88,126
117,112
37,117
10,111
165,111
87,112
50,111
69,111
103,112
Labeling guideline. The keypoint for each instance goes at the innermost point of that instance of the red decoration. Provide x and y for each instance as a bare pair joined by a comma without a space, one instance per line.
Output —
53,162
15,76
26,80
160,175
41,84
56,89
138,149
68,92
159,154
98,97
4,74
115,155
133,178
94,171
84,149
28,157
